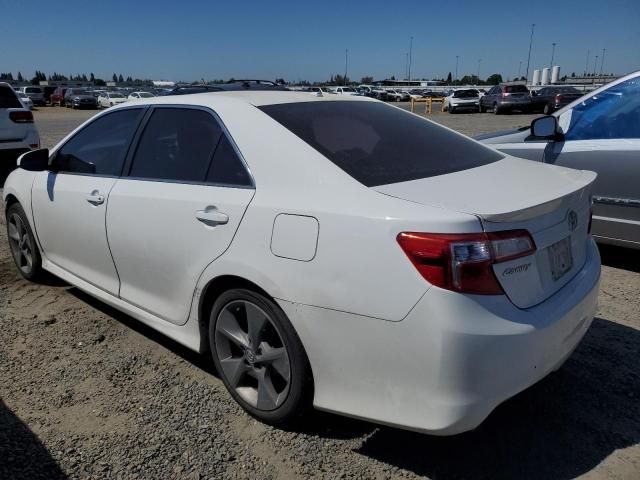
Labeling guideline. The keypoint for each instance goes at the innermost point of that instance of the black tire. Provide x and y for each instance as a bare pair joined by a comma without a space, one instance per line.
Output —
33,272
452,109
496,109
480,108
548,109
300,385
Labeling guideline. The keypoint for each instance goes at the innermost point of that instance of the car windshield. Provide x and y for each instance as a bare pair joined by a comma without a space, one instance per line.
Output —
33,90
8,99
116,95
347,89
377,144
146,95
515,89
465,94
565,90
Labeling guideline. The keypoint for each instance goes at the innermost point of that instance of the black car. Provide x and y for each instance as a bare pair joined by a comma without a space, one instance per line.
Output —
550,99
226,87
79,98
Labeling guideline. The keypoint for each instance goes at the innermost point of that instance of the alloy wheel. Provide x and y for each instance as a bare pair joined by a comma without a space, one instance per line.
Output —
252,355
21,244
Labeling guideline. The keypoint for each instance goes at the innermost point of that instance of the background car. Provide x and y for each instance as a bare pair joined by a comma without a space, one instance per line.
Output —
57,97
550,99
598,132
506,98
210,220
394,95
109,99
457,100
34,93
416,93
47,90
343,90
139,95
26,101
18,133
79,98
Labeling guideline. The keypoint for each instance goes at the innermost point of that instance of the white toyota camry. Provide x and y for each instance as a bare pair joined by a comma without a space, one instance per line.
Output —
329,251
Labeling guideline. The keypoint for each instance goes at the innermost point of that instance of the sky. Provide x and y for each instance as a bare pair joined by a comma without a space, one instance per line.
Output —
190,40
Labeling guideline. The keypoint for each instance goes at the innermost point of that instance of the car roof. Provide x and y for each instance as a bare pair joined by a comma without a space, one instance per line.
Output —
256,98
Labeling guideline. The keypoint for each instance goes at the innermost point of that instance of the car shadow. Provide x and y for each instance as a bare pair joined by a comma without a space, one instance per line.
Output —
22,455
620,257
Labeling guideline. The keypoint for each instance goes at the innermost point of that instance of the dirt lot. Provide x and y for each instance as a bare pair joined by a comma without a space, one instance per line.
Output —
87,392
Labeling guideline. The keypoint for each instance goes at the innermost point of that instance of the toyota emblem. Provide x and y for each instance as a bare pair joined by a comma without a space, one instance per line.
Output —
572,220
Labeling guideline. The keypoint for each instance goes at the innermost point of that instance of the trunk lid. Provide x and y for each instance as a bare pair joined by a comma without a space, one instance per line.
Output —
551,203
10,131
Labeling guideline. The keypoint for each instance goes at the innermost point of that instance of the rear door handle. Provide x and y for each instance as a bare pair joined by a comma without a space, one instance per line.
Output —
212,216
95,198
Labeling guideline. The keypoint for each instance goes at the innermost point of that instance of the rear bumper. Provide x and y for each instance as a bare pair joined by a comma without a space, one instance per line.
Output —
451,361
465,105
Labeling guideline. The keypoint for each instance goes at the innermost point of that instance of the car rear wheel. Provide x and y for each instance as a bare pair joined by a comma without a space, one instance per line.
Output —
23,243
259,356
548,109
451,109
496,109
480,109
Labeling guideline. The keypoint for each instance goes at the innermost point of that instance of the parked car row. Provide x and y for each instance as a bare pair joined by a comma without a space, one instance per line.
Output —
18,133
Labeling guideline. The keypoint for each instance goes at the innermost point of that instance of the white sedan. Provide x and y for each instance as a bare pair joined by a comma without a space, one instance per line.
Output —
109,99
139,95
330,251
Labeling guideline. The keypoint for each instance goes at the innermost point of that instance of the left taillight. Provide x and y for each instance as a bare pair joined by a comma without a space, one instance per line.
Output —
21,116
463,262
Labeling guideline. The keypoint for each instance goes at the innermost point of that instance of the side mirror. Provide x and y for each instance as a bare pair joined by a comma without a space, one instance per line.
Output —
545,127
35,160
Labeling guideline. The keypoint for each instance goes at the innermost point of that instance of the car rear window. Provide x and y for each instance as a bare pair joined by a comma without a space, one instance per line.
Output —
378,144
33,90
8,99
515,89
465,94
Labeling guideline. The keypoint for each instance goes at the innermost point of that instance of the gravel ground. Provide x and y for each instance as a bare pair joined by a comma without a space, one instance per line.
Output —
87,392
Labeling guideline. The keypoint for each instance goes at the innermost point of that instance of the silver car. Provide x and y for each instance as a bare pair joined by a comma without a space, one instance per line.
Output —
600,132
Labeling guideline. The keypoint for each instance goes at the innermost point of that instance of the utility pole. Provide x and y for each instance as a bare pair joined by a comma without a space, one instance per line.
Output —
602,61
346,65
456,78
478,76
520,70
410,55
553,51
586,68
529,56
406,65
595,64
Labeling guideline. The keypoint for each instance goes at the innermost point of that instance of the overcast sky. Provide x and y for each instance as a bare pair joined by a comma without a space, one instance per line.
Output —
306,40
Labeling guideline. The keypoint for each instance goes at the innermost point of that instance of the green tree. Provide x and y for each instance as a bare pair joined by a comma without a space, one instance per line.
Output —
115,77
20,79
100,82
92,78
494,79
366,80
120,79
448,80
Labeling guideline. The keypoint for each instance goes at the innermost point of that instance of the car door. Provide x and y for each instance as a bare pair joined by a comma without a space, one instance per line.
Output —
69,204
177,209
602,134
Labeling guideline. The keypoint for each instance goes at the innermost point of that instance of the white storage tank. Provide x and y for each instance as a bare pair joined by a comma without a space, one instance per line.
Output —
545,76
555,74
536,77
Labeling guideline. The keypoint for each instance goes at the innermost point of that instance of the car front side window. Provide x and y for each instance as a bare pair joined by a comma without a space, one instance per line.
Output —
100,147
612,113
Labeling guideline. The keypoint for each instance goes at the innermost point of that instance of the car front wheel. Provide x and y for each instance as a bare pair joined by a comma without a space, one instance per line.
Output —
259,356
23,243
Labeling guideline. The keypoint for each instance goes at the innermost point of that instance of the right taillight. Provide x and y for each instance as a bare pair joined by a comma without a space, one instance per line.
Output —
21,116
463,262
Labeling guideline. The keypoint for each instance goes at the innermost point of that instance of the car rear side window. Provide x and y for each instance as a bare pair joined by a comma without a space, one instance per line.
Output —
227,168
8,99
100,147
177,144
378,144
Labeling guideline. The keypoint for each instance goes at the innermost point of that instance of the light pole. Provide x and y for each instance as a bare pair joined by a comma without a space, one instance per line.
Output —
602,61
529,56
410,55
346,65
456,77
520,70
478,76
595,64
586,68
553,51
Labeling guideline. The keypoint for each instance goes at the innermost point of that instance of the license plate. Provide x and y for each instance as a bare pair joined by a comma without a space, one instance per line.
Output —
560,258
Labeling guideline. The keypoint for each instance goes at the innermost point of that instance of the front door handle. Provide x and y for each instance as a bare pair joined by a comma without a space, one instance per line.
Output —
212,216
95,198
